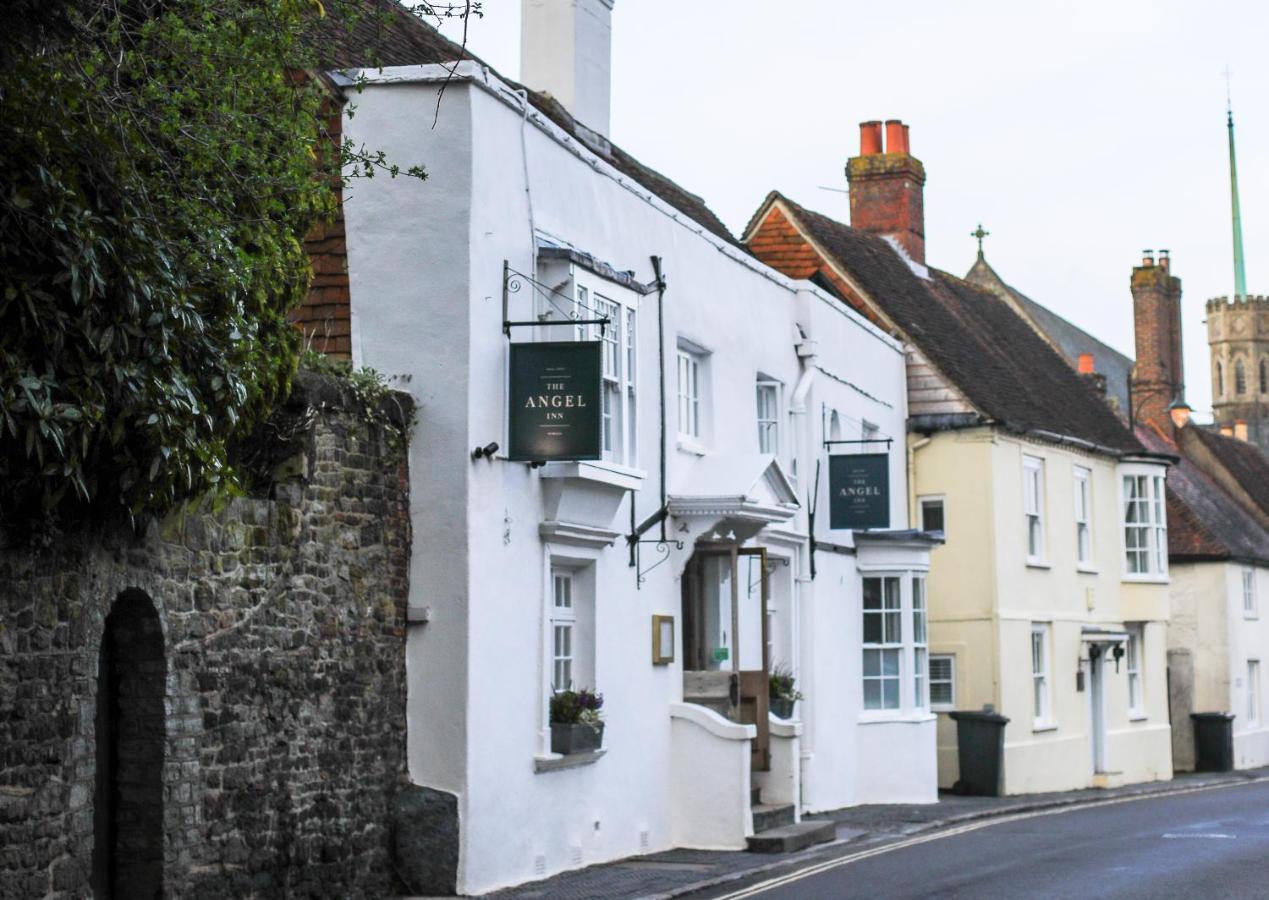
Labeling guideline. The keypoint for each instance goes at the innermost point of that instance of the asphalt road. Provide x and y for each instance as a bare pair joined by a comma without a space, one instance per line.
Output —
1205,844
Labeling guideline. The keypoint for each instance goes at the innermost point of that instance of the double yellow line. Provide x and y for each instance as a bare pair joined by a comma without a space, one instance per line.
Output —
839,862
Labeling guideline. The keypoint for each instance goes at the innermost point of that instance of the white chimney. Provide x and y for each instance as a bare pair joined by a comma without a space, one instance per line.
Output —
566,51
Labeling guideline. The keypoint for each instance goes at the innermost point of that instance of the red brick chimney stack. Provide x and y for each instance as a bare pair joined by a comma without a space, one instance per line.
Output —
887,188
1158,378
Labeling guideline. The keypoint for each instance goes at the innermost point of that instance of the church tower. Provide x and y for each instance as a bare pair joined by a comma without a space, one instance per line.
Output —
1238,339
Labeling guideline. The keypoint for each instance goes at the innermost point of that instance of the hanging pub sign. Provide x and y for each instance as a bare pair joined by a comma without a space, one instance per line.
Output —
555,401
859,491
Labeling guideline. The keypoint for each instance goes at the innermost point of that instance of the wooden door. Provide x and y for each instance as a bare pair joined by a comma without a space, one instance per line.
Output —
754,684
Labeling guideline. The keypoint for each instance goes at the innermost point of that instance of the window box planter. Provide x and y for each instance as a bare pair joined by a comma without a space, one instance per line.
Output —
576,737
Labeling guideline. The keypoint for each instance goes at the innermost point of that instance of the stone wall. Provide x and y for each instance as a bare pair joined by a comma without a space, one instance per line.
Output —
270,731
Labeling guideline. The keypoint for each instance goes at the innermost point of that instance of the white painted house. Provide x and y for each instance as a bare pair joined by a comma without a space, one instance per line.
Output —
722,379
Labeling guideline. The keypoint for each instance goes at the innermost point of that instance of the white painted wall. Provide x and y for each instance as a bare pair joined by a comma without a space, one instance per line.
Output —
426,263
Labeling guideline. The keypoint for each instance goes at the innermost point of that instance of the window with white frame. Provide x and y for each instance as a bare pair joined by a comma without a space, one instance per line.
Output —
942,681
563,631
571,637
689,365
1145,525
1250,609
920,649
768,408
932,514
1253,692
618,407
883,642
1132,662
1083,517
1033,506
1040,688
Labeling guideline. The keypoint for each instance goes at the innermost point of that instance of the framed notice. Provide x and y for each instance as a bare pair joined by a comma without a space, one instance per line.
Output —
555,401
859,491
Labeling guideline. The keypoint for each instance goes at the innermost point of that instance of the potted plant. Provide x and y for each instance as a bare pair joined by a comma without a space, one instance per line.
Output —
782,694
576,723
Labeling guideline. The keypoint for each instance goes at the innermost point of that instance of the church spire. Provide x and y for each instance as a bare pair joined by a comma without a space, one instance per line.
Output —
1240,277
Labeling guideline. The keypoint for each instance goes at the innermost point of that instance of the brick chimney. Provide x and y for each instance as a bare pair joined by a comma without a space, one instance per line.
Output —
566,51
1158,378
887,188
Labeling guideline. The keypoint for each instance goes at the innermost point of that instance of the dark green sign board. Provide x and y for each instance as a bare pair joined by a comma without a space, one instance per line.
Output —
555,401
859,491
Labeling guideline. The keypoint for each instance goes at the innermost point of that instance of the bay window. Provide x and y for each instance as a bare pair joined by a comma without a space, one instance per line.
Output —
920,650
618,395
883,642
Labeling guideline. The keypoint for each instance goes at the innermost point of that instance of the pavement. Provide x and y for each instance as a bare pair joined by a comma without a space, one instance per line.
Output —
679,873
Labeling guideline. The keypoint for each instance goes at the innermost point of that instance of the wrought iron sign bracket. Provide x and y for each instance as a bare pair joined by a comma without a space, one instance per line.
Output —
661,544
512,282
886,441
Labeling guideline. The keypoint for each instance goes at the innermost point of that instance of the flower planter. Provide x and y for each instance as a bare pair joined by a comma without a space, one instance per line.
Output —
576,738
782,707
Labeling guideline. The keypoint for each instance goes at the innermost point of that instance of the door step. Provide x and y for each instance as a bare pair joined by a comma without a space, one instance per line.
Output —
768,816
755,796
788,838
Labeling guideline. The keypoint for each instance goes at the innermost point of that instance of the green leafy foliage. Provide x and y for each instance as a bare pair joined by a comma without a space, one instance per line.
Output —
161,168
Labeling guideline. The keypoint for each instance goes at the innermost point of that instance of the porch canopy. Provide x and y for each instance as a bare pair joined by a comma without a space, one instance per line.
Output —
732,496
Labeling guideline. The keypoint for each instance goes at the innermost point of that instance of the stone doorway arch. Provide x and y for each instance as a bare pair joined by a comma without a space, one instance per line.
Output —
131,737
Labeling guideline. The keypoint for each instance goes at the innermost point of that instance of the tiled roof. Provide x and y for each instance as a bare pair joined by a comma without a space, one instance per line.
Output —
1070,338
1204,521
988,351
1244,461
385,34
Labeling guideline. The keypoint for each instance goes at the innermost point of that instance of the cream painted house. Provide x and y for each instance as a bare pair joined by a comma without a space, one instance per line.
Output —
1036,609
1048,603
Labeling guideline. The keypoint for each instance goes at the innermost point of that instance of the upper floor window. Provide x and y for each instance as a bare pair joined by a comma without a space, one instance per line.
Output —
1250,609
932,517
768,403
1145,525
1083,517
1240,378
1033,506
690,365
618,407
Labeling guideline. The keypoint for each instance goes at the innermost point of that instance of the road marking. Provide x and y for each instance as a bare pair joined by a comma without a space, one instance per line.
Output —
1229,836
828,865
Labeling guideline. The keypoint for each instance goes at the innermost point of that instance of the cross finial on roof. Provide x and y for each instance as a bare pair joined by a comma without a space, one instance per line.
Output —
980,234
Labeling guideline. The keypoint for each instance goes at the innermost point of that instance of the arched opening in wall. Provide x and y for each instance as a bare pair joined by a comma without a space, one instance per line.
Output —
131,732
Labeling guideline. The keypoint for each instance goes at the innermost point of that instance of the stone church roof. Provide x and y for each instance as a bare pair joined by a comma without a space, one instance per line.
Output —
1070,339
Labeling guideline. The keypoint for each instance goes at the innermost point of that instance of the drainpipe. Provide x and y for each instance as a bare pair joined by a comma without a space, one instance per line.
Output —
912,508
660,281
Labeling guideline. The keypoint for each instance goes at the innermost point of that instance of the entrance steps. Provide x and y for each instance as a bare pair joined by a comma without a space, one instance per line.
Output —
775,830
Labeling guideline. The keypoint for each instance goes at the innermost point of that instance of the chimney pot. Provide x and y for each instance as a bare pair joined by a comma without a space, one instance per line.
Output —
896,137
1240,429
1180,413
1086,364
1147,258
1163,259
1227,431
869,138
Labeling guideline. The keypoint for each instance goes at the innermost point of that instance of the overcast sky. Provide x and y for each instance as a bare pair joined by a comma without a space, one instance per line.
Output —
1077,133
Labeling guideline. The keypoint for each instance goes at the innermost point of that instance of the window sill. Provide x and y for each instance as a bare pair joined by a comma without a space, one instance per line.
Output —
1251,617
1138,717
556,762
1038,564
1087,570
895,717
942,708
1146,579
687,445
1042,727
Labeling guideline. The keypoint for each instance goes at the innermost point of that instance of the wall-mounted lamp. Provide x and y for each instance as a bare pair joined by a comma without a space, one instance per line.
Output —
486,451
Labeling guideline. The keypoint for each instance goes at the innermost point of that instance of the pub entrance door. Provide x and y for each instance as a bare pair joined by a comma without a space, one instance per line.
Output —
726,664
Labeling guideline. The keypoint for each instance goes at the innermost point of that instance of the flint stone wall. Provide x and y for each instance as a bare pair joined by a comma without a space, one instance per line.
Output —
283,625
